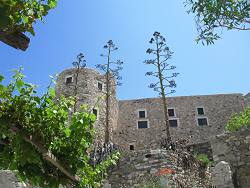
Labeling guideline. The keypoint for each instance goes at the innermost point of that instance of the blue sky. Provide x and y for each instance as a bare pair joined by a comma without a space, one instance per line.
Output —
85,26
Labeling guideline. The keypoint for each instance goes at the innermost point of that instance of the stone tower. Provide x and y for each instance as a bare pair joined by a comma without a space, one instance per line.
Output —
90,91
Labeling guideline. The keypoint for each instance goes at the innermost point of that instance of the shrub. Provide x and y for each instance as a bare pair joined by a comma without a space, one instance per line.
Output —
204,159
239,120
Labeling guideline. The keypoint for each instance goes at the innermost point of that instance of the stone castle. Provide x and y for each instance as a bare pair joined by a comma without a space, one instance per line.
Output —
138,124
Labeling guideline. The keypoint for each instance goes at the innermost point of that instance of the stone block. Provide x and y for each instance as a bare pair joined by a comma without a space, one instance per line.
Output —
222,175
9,180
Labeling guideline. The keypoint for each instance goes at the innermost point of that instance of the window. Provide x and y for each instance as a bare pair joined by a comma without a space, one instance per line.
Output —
148,155
200,111
95,111
171,112
142,114
69,79
100,86
142,124
202,121
173,122
131,147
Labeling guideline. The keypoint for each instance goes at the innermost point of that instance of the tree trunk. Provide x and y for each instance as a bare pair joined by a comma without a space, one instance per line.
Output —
107,134
163,95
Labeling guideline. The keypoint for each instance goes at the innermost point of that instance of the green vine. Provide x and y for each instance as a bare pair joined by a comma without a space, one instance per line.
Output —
19,15
42,142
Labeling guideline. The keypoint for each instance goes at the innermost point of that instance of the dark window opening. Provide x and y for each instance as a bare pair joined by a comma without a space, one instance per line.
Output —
171,112
69,80
142,114
173,123
95,112
142,124
200,111
202,121
131,147
148,155
99,86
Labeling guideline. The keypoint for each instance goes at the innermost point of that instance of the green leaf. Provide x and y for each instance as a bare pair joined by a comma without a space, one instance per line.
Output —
52,92
67,132
31,30
1,78
52,4
19,84
25,19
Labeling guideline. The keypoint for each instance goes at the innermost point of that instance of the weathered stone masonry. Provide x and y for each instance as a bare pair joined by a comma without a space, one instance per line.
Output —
124,131
92,94
247,99
233,148
217,110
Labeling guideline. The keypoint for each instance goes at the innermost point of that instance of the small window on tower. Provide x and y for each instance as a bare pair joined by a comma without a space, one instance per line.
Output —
95,111
100,86
69,79
131,147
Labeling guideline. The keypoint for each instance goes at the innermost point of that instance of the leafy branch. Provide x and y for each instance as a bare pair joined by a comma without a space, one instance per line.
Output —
20,15
213,15
41,142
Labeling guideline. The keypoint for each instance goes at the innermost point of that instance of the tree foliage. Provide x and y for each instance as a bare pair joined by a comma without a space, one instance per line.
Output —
111,70
19,15
45,145
162,72
239,120
213,15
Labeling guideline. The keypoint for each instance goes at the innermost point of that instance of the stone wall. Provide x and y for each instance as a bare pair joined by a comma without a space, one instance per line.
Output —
222,175
136,165
89,93
124,114
247,99
217,108
234,148
139,168
204,147
9,180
